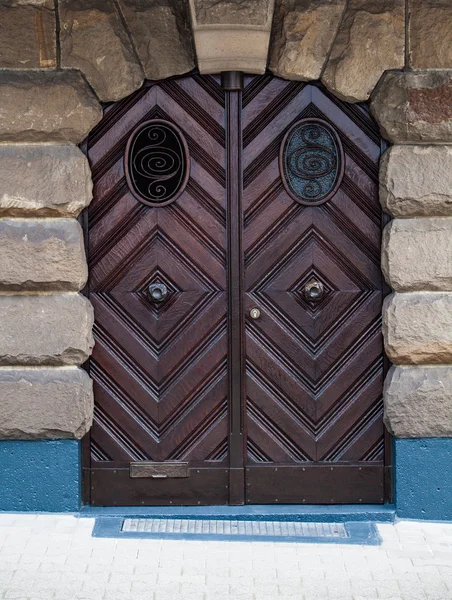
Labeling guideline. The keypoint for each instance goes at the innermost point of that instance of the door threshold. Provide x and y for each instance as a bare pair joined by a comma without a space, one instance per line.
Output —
334,513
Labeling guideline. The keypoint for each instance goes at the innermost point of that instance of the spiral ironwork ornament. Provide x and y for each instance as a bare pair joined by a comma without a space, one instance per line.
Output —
156,162
311,161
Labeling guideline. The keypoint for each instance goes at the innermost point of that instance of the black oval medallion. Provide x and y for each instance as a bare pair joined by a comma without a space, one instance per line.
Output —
311,161
156,162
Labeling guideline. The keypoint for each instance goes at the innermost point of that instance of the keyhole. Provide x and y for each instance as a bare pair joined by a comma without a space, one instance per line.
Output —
255,313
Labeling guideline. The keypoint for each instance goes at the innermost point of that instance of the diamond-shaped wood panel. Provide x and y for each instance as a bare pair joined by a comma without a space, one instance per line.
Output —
314,369
159,369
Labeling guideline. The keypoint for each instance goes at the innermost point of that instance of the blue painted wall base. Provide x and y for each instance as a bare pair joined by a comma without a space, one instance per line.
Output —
46,476
423,478
40,476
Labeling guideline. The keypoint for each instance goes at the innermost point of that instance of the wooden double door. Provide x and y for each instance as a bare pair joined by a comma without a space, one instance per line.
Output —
255,375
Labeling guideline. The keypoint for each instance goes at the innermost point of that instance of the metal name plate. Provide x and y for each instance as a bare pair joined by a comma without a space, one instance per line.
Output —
158,470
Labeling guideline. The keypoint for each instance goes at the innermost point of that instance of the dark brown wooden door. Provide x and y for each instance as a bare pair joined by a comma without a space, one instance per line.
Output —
283,408
160,370
314,369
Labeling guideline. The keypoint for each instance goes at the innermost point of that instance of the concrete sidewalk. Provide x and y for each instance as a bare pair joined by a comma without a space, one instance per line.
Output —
55,557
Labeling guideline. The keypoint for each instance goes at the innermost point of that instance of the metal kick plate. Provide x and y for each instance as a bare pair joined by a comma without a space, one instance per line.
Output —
156,470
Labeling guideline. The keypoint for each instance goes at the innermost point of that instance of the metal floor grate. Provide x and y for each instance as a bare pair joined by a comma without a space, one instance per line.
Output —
292,529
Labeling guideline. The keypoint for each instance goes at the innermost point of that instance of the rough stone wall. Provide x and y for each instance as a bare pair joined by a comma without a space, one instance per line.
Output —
415,113
60,59
46,324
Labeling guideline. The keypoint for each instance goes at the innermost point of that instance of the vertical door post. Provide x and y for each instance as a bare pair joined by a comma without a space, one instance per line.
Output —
232,83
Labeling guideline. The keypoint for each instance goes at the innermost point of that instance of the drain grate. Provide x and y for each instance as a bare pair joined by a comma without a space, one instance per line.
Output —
186,527
217,527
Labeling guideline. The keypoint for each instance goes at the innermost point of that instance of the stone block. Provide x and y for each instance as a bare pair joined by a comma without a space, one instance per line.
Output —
414,106
46,106
416,254
93,39
27,34
41,475
371,40
45,403
64,177
430,34
49,329
417,328
418,401
161,34
42,254
416,181
231,35
302,34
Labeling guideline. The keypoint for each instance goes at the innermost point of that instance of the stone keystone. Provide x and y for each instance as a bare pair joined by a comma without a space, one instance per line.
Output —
231,35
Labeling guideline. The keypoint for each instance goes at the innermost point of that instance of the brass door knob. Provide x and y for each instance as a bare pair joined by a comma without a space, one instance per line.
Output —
313,290
255,313
157,292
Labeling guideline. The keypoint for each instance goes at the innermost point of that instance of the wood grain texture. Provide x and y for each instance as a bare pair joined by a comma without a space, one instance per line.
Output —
285,408
159,370
314,369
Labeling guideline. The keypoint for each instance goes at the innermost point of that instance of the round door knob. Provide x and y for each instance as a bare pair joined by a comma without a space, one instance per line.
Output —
157,292
313,290
255,313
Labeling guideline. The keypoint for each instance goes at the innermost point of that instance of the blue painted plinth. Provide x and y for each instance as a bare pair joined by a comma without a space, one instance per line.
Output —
423,478
40,476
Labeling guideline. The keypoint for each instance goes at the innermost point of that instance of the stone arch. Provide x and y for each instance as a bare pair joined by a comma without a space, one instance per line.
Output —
51,92
116,46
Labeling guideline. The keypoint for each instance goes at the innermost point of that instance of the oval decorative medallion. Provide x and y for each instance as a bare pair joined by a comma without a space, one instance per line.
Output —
157,163
311,161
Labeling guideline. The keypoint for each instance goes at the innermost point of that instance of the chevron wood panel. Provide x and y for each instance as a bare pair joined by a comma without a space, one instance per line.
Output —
159,370
314,370
167,377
